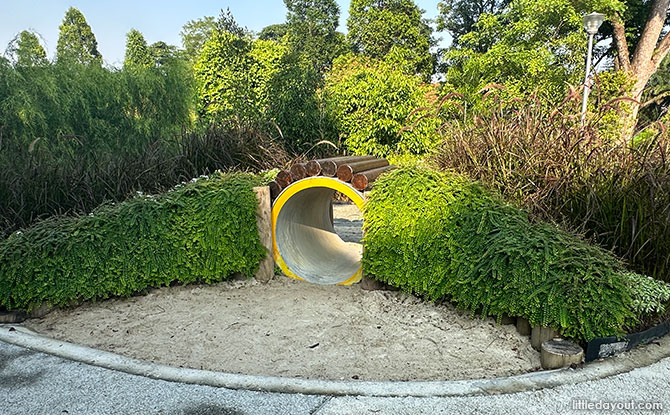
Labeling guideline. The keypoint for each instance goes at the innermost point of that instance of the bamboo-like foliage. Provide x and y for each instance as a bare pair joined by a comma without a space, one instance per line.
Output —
541,158
204,231
444,236
72,137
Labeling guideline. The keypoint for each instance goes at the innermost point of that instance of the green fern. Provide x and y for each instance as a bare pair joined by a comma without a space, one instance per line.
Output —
203,231
445,237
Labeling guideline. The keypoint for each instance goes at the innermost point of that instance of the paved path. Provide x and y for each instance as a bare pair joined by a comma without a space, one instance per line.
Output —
37,383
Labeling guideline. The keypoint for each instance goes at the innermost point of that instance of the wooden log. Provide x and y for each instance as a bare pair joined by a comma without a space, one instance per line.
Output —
558,353
540,335
298,172
13,316
266,268
345,172
329,165
523,326
506,319
283,178
328,168
313,168
347,159
275,189
364,179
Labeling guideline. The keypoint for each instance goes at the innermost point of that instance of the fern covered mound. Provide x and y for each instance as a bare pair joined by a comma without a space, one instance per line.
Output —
203,231
443,236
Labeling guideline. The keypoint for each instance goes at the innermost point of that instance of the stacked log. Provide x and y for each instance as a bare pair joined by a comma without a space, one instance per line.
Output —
329,166
298,172
283,178
345,171
360,171
275,189
362,181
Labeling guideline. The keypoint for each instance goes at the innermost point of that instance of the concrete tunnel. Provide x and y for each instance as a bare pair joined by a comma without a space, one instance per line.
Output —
305,245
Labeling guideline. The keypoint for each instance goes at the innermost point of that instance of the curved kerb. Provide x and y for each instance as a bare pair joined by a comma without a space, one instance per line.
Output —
20,336
305,245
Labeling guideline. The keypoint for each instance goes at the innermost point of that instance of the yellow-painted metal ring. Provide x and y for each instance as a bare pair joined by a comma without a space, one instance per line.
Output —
297,187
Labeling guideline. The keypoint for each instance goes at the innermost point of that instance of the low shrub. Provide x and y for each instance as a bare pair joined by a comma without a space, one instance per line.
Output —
201,231
444,236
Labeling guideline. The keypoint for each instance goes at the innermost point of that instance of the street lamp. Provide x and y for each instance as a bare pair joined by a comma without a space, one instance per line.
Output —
592,23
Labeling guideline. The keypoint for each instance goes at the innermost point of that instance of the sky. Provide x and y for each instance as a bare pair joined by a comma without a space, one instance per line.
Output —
157,20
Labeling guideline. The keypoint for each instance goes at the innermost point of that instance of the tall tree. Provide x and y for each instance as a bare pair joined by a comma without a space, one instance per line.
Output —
26,50
533,46
195,33
137,51
458,17
377,26
273,32
76,41
643,60
538,44
227,23
162,53
312,25
223,70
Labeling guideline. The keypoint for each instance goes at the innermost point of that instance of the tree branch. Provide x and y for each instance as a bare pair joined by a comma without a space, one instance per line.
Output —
656,99
661,51
621,43
652,30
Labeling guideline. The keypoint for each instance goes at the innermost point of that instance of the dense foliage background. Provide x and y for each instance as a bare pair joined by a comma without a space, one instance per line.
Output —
500,104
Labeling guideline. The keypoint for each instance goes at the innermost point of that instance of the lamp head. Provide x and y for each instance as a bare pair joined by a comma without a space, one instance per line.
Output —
592,22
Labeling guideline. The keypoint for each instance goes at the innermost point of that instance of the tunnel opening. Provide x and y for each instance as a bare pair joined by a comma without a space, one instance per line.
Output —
306,243
347,220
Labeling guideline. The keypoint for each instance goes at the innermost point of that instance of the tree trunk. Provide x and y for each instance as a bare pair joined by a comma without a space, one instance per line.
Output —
632,108
558,353
645,61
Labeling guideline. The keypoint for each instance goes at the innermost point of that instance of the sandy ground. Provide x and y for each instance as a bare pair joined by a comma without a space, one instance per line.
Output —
348,221
296,329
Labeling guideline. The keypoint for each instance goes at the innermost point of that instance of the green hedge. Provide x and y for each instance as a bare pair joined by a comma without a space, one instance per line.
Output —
201,231
443,236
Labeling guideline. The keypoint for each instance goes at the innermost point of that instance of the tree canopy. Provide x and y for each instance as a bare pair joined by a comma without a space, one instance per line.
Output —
76,41
532,46
137,51
26,50
458,17
372,100
273,32
312,25
377,26
195,33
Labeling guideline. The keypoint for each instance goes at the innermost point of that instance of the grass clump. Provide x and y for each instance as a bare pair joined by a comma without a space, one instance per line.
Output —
203,231
444,236
540,157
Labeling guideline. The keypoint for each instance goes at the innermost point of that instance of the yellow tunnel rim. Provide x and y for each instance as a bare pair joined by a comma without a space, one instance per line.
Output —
293,189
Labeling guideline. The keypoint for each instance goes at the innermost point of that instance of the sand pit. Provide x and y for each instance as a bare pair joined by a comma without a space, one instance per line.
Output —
295,329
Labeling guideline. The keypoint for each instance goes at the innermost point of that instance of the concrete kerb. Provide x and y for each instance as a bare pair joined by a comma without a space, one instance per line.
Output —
20,336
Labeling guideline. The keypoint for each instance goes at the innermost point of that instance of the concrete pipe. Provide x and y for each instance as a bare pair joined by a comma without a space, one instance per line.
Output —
305,245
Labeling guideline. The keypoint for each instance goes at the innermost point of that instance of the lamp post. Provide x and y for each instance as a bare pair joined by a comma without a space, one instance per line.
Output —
592,23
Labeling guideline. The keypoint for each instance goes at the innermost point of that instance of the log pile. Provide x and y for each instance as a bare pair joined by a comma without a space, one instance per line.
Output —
360,171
